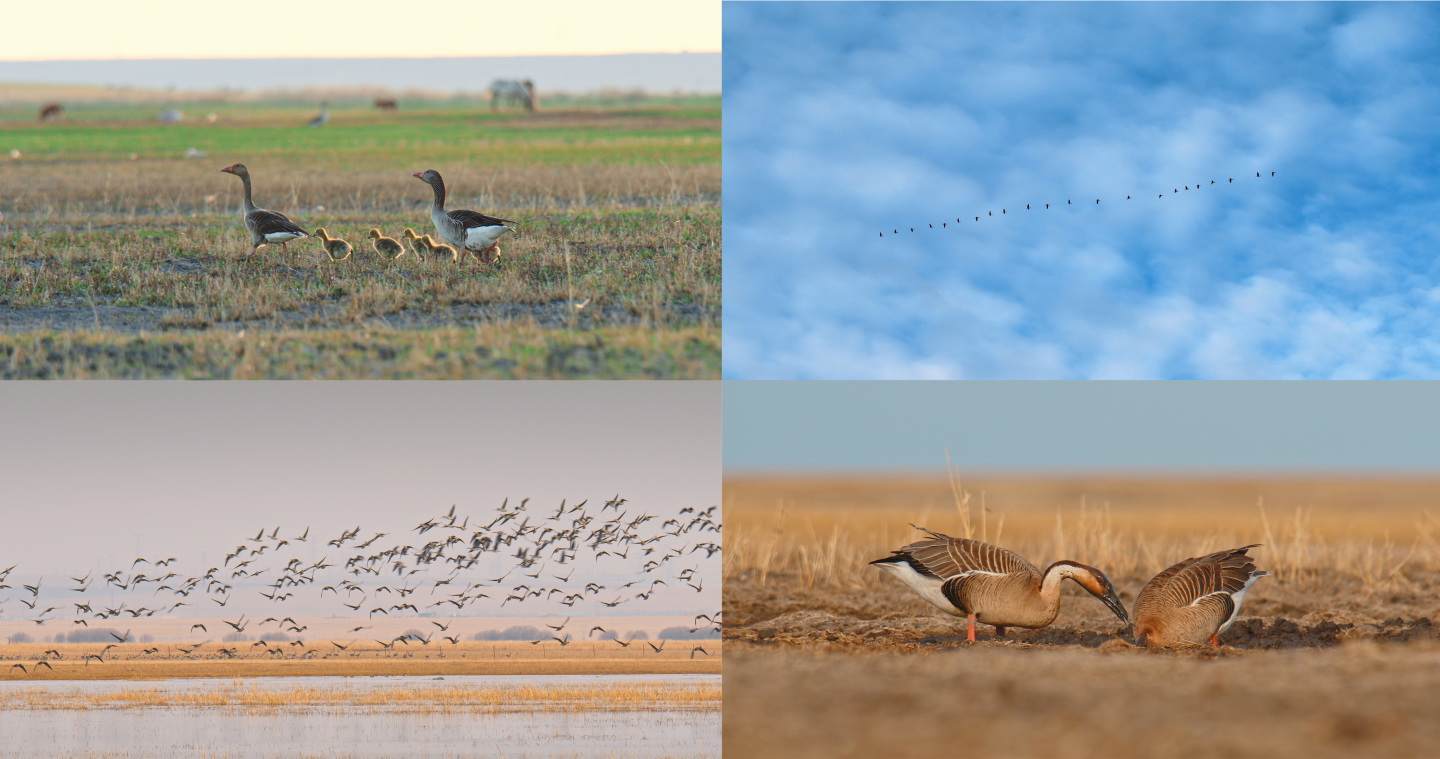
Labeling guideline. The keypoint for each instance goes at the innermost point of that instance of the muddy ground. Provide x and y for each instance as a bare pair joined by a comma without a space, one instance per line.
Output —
1309,670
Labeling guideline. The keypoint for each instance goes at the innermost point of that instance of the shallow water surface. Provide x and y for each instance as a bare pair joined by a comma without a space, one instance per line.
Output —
355,730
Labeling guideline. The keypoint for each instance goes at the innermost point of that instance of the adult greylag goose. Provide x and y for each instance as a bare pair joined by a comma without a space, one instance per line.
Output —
323,118
439,249
385,246
464,230
337,249
265,227
1195,601
986,583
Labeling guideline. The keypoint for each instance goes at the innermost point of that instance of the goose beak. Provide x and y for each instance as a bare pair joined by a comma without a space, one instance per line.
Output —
417,175
1112,600
228,170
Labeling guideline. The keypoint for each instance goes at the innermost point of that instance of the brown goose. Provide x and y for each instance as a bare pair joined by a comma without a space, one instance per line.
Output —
385,246
265,227
463,230
1194,601
986,583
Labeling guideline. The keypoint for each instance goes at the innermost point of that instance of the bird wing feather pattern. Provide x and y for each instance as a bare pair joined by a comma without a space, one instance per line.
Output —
943,557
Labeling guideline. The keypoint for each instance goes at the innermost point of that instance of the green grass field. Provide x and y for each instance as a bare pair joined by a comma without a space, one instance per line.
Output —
112,238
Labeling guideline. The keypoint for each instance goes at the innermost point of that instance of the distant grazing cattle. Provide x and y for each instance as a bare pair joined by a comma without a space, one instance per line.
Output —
51,111
518,92
385,104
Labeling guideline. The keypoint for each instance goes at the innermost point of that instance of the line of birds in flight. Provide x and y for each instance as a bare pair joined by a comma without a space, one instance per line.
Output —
542,547
1004,211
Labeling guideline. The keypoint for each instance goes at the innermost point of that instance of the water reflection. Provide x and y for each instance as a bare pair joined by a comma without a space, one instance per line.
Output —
355,730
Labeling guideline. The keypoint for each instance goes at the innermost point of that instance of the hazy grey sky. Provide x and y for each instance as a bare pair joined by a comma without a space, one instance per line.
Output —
653,72
1077,425
97,474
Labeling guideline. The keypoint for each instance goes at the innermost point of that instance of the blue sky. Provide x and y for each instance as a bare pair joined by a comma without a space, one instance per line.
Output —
845,119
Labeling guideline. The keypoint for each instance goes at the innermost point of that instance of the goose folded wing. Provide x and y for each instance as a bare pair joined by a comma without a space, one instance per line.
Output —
1192,579
473,219
270,222
942,557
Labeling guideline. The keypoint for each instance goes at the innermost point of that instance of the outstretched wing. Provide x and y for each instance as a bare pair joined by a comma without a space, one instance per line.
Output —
473,219
943,557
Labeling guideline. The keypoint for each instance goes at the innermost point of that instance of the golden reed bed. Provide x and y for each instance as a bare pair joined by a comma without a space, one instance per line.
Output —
126,662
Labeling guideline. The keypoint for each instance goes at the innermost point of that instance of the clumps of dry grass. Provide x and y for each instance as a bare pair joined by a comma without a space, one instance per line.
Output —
639,696
821,538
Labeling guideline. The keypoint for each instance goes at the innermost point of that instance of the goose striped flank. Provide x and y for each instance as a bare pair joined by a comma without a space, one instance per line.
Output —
988,584
1193,602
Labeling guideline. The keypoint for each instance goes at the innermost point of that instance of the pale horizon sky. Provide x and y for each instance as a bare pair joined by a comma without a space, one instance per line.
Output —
151,29
1070,427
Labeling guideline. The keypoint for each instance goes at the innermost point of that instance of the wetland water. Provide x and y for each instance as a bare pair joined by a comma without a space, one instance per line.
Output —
351,730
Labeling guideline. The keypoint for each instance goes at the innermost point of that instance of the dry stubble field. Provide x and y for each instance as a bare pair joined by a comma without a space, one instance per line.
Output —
1335,655
122,257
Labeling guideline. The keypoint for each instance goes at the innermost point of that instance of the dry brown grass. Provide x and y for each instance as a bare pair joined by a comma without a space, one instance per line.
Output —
1371,535
1333,655
500,351
641,696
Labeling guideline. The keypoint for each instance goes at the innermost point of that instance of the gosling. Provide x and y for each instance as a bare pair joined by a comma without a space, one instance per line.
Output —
417,243
440,248
337,249
385,246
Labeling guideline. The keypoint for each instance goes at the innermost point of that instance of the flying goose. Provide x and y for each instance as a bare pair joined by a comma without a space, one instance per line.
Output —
1194,601
265,227
464,230
986,583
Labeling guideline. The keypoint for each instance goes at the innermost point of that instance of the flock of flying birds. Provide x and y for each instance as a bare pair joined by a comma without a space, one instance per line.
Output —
1005,212
540,552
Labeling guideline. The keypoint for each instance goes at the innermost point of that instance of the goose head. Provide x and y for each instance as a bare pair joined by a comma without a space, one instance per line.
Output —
430,177
238,169
1095,582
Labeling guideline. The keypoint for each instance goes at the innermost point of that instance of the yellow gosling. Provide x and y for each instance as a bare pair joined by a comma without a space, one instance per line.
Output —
440,248
337,249
386,246
417,243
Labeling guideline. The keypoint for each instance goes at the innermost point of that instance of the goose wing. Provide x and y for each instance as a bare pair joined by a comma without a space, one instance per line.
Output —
473,219
942,557
271,222
1193,580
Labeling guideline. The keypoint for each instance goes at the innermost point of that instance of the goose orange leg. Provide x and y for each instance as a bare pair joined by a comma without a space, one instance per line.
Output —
1215,640
970,628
